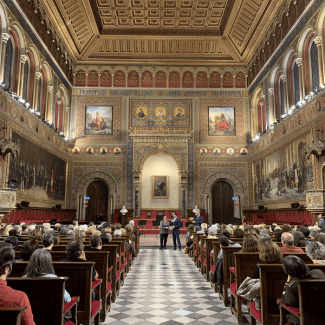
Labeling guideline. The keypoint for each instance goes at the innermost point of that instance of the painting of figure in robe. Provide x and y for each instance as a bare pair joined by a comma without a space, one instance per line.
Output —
222,121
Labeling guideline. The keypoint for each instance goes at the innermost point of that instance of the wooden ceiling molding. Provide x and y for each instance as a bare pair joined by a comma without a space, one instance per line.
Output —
172,32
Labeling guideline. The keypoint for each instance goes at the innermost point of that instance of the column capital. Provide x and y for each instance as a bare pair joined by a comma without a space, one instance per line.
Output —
59,101
253,110
38,75
284,77
299,61
67,108
271,91
318,40
50,89
5,37
23,58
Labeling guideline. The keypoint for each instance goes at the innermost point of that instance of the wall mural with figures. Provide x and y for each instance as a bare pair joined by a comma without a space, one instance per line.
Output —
40,174
284,174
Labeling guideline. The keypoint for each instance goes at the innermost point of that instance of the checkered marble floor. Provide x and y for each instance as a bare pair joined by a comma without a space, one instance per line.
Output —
165,287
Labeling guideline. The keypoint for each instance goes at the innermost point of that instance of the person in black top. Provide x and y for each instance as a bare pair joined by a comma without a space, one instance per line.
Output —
95,243
296,269
75,251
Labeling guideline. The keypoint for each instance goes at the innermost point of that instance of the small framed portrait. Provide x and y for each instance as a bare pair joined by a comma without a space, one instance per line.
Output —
230,151
203,151
141,112
99,120
160,187
160,111
216,151
89,150
76,150
179,112
243,151
103,150
117,150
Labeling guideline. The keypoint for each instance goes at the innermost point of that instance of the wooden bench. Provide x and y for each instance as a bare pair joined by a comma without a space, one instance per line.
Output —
46,297
11,315
206,256
79,284
272,279
310,310
244,267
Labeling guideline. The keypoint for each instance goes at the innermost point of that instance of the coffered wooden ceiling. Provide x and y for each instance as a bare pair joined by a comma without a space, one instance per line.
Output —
172,32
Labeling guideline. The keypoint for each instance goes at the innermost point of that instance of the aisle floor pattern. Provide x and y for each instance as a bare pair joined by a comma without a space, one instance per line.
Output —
166,288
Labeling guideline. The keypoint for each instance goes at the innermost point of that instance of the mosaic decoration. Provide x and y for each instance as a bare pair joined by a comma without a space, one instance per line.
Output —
284,174
98,120
25,81
54,97
129,179
8,62
222,121
163,113
314,65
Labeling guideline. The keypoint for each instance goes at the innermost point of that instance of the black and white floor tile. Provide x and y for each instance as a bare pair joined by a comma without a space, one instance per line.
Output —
166,288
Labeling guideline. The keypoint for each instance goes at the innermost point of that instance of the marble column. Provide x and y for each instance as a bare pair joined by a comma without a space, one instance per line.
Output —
285,91
20,87
301,78
49,99
4,40
319,43
272,113
37,77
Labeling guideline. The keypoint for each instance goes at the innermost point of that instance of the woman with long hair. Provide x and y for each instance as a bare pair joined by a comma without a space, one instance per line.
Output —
250,244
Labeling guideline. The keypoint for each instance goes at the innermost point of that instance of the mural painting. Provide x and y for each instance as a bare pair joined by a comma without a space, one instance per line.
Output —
40,174
98,120
222,121
284,174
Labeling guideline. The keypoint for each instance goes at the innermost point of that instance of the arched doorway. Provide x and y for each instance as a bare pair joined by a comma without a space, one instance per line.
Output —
98,203
222,203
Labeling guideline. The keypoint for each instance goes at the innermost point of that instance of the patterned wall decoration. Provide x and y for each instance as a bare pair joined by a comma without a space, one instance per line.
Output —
215,80
82,102
39,95
240,80
228,80
148,113
93,78
129,179
119,79
188,79
80,78
106,79
25,81
314,65
7,65
133,79
282,107
201,80
190,178
161,79
266,101
147,79
296,83
55,81
240,129
174,80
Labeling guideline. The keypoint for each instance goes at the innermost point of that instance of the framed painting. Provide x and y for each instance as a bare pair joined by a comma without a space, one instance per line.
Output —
160,187
99,120
222,121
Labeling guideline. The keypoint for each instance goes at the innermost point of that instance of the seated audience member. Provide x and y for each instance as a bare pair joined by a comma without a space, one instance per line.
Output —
305,231
204,227
320,238
76,253
299,239
48,240
27,249
270,253
128,228
296,269
197,229
250,244
264,238
13,240
64,231
245,222
224,234
212,232
117,233
239,233
316,252
286,228
40,265
56,239
264,231
80,235
75,223
8,296
218,271
24,228
277,235
288,246
108,230
313,232
90,230
31,227
321,221
34,234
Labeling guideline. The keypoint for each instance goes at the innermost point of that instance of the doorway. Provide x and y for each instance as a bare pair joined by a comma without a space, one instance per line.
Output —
222,203
98,202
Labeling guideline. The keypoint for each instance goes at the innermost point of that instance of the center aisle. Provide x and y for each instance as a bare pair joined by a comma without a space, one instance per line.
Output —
165,287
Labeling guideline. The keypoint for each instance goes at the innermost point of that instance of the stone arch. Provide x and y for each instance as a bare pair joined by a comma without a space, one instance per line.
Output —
154,151
224,176
3,19
302,39
90,177
320,21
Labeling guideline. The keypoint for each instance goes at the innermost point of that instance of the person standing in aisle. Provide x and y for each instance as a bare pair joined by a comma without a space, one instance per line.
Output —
176,224
164,230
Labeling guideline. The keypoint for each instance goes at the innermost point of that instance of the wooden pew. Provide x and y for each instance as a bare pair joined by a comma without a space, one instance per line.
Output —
79,284
46,297
207,258
244,267
11,315
272,279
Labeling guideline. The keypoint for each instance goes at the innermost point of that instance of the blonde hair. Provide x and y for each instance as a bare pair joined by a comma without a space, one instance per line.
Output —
270,253
34,234
6,231
90,230
97,232
80,235
108,230
123,231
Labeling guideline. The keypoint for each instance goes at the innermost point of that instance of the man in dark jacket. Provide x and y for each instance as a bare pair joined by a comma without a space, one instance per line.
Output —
296,269
176,224
198,219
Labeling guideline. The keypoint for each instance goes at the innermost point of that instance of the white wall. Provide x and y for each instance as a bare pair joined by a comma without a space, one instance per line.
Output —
160,165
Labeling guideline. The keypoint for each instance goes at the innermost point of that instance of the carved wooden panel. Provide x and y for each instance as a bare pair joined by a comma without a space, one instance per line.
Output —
222,203
98,203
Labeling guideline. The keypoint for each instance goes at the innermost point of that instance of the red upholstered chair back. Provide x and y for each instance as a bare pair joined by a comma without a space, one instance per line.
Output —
309,218
178,213
153,214
143,215
167,214
204,215
115,217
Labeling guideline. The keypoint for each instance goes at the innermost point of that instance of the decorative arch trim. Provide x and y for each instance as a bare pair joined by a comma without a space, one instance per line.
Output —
223,176
93,176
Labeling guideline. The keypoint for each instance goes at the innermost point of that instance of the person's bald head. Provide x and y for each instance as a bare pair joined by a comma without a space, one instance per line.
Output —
287,239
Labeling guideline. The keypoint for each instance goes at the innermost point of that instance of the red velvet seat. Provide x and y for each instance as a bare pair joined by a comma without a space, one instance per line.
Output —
255,312
109,269
96,283
118,274
233,288
205,261
109,287
212,268
233,270
122,266
69,305
143,215
69,323
293,310
95,306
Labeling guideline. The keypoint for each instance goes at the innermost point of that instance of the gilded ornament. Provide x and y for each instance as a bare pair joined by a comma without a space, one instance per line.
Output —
240,77
188,78
174,77
80,76
93,76
228,78
120,76
106,76
201,78
133,76
161,77
215,77
147,77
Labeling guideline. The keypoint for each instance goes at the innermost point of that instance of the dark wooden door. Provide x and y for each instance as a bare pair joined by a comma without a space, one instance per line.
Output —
98,203
222,203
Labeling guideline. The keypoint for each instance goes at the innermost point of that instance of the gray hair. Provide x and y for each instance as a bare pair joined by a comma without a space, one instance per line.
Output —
313,232
31,227
230,226
71,227
287,238
264,231
131,221
315,250
17,228
204,225
117,233
213,230
197,228
109,236
264,238
218,226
